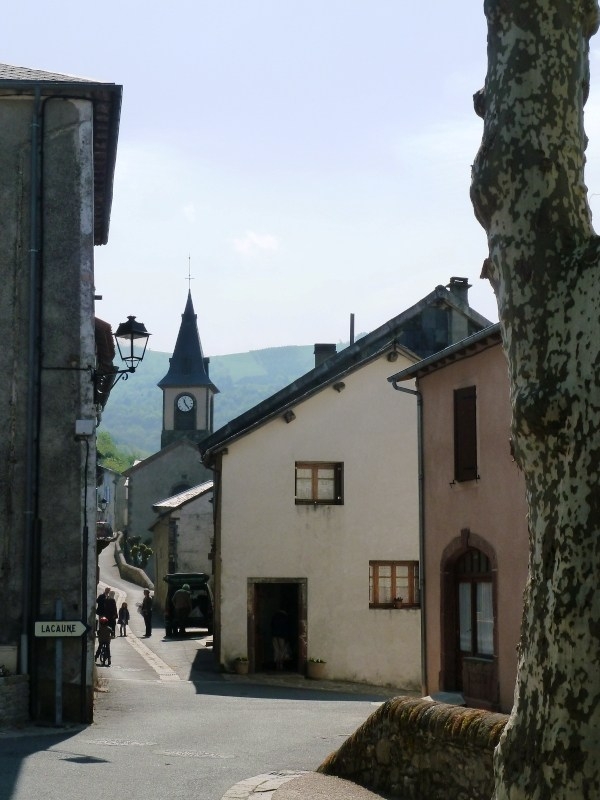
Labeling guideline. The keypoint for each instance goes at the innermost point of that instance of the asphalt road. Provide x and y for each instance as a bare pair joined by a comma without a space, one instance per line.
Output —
168,726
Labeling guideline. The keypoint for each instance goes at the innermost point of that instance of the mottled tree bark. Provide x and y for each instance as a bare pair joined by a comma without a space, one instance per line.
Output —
528,192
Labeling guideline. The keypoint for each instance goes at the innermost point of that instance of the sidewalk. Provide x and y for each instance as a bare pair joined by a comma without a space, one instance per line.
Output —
298,786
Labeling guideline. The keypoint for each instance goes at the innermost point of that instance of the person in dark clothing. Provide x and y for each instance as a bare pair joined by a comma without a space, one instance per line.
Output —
100,601
104,637
147,612
182,606
280,633
110,611
123,619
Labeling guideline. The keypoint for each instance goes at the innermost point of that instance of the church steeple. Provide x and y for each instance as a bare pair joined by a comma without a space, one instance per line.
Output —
188,391
187,365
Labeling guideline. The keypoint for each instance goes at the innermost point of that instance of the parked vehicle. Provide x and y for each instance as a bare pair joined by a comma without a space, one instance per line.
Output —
201,616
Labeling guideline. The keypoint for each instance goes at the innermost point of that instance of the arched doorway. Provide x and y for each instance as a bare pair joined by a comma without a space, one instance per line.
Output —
469,621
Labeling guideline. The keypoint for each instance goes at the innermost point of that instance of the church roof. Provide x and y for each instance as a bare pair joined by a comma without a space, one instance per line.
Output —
187,365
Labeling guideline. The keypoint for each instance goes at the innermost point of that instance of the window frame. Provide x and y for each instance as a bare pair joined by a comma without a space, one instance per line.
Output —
412,601
465,434
314,467
473,570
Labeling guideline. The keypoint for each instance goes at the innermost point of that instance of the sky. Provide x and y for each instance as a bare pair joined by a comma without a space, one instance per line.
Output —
299,160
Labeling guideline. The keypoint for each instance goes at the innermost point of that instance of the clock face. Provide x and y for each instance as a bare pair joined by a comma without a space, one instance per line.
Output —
185,402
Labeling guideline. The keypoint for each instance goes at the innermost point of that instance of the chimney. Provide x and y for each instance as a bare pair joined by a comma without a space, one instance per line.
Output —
460,289
323,352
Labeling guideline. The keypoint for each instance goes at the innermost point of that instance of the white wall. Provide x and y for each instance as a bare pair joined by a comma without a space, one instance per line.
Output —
195,528
371,429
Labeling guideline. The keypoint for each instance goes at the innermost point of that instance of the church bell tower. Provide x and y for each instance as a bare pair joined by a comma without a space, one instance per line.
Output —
188,392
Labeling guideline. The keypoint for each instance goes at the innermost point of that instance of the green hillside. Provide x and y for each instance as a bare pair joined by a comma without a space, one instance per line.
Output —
133,415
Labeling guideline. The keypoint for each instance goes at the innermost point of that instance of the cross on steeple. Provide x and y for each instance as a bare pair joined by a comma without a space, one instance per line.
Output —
189,278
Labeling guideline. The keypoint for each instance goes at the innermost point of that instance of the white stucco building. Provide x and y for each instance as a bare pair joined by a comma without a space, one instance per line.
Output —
316,494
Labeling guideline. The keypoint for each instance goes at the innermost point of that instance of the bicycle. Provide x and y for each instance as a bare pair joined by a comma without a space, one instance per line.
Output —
104,654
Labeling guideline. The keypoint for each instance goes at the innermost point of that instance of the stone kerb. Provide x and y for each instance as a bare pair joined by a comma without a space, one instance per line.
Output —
418,748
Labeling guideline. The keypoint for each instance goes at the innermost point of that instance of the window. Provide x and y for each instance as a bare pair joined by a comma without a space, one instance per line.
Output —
475,604
389,580
319,482
465,434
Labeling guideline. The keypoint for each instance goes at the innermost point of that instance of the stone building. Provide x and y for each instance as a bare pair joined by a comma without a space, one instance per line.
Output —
182,535
188,395
57,154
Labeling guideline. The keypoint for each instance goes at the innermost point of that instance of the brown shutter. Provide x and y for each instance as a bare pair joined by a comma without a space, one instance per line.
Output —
465,434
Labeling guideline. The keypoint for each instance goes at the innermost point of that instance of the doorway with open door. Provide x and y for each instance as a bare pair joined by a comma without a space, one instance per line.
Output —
470,647
277,606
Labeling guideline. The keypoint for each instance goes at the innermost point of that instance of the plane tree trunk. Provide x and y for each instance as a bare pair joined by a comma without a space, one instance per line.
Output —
528,192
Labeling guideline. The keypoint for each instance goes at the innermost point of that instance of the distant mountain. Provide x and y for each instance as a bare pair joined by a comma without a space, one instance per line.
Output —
133,414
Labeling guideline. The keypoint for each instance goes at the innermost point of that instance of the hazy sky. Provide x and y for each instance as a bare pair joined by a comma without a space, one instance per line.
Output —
310,157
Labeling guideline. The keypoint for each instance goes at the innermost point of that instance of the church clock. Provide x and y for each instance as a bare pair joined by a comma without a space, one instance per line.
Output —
185,403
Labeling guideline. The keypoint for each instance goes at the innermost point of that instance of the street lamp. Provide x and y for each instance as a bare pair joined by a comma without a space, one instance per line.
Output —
128,336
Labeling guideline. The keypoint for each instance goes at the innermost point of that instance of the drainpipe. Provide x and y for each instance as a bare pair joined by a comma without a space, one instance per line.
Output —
31,443
419,397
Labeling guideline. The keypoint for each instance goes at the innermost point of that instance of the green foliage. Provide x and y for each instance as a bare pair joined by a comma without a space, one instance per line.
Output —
135,551
113,456
133,414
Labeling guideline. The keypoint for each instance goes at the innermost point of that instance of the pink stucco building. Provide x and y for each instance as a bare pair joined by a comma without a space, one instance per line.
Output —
474,540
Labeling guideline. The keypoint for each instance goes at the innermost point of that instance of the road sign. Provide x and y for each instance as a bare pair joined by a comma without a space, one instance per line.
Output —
60,627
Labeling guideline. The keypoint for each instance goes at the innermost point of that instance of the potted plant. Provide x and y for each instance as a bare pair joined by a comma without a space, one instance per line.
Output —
315,668
240,665
398,601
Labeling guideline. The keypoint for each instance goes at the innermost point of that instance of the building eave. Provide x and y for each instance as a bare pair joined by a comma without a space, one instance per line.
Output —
181,499
475,343
106,99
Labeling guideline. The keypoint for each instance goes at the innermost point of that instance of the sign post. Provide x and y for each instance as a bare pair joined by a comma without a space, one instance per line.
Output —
59,628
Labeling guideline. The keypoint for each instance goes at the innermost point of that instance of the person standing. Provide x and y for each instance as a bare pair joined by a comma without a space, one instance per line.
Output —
110,611
123,619
182,605
280,633
100,602
147,612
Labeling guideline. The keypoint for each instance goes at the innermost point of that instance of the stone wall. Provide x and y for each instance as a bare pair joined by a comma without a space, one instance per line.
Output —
416,749
129,572
14,700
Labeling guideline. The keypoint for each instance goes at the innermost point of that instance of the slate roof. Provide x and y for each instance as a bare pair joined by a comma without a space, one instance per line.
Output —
482,340
335,368
106,99
187,365
181,499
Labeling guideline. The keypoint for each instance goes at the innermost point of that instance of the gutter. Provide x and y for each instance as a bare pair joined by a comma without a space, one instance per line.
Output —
422,580
33,378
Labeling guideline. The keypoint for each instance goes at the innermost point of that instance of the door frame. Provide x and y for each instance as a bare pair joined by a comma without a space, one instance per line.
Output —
252,619
449,624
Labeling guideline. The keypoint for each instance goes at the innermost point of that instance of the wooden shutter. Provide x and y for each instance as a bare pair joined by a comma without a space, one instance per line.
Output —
465,434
